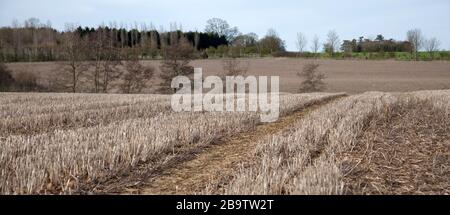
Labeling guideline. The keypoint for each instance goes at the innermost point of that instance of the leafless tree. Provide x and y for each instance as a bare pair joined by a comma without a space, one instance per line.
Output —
106,61
315,45
111,63
136,75
432,45
301,42
234,67
97,45
221,28
332,43
74,51
176,59
17,38
415,37
312,79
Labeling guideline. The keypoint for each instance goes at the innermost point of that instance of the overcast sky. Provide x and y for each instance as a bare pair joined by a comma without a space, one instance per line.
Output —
350,19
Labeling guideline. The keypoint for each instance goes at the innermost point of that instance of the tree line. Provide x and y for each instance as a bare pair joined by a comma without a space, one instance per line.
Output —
415,41
35,41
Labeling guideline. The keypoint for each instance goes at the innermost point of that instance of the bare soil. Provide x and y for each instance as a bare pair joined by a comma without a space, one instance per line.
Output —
351,76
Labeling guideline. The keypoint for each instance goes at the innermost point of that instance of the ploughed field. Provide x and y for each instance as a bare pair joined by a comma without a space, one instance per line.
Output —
351,76
323,143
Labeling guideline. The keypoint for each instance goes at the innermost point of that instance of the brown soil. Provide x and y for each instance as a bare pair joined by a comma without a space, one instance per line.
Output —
404,151
351,76
218,161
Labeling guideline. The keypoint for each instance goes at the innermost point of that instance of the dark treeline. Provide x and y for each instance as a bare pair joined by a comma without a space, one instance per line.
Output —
40,42
35,41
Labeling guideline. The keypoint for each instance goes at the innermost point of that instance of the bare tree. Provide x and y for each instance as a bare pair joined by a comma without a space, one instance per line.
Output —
110,63
74,51
97,45
415,37
176,59
106,59
234,67
312,79
432,45
153,43
315,45
332,43
301,42
17,39
136,75
221,28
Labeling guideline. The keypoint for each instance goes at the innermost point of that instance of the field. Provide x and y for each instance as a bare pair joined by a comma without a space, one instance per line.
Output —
351,76
384,135
324,143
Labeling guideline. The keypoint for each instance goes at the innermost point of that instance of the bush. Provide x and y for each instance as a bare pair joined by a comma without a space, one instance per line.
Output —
312,79
26,81
6,79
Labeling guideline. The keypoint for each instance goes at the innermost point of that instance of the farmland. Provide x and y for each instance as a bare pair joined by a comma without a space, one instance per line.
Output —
324,143
350,76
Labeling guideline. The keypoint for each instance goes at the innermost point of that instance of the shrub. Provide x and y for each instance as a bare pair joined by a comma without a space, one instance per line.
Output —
313,80
136,76
6,79
26,81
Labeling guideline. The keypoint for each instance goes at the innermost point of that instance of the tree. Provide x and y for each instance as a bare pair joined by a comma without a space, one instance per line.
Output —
301,42
315,45
245,40
221,28
415,37
312,79
110,63
234,67
379,38
97,45
332,43
74,52
136,75
17,39
176,59
431,46
272,42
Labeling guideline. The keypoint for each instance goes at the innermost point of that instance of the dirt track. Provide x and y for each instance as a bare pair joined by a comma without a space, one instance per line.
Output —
217,162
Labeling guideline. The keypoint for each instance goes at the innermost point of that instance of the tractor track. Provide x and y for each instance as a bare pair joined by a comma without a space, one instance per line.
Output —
218,161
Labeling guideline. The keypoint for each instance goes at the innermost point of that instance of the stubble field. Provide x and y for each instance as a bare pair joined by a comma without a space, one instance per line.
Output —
370,143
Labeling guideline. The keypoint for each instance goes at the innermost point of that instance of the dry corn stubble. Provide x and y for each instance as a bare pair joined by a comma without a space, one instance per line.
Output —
61,160
308,158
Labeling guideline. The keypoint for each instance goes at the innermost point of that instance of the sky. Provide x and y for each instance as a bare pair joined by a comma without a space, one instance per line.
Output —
350,19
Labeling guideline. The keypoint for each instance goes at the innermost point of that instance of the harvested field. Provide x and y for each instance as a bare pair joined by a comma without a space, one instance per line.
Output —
373,143
72,149
403,151
351,76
